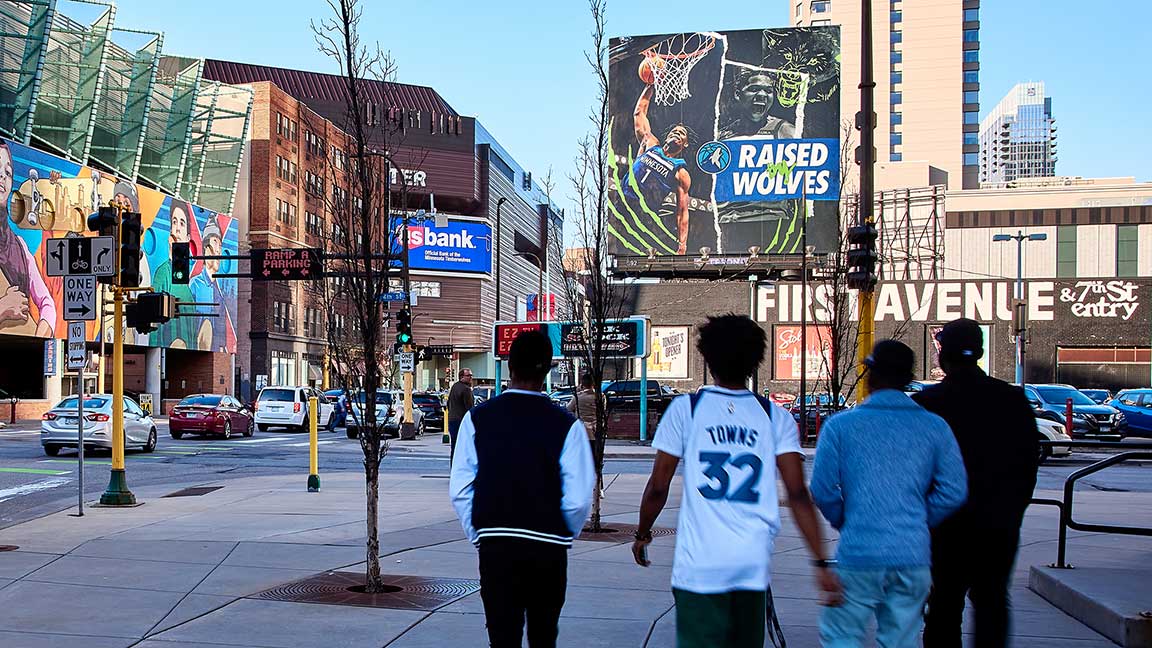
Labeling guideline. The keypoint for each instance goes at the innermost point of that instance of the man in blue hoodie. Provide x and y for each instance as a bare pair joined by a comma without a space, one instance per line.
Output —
885,473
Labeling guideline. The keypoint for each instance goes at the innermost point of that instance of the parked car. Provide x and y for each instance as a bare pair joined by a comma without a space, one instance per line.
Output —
339,408
622,398
917,386
389,408
1098,396
563,395
206,414
433,410
483,393
288,407
1052,431
1089,420
1136,405
59,426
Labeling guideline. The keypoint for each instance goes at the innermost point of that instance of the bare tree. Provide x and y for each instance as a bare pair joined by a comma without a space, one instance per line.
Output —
362,248
593,296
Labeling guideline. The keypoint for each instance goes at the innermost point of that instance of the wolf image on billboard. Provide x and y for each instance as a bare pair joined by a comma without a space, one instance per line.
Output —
724,141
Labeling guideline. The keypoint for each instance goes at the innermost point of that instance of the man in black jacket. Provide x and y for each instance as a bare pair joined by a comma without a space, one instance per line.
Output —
973,551
521,483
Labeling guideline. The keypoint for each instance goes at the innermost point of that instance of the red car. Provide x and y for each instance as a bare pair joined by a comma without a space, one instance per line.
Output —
206,414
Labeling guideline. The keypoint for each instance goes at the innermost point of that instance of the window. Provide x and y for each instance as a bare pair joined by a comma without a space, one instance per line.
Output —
283,373
339,196
971,56
895,139
285,127
896,16
426,288
286,212
972,138
971,15
821,23
971,96
971,159
971,76
897,77
895,157
283,319
501,166
313,144
1127,250
339,235
897,36
820,6
897,57
285,169
799,9
896,98
313,184
971,117
312,224
971,35
1066,251
339,158
312,326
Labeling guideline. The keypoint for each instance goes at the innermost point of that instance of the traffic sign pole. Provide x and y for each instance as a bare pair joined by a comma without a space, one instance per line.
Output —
80,443
313,444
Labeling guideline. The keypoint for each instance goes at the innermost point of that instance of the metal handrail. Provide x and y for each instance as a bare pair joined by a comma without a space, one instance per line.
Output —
1137,450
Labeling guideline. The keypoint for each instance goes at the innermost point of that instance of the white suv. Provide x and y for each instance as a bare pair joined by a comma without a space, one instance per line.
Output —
288,407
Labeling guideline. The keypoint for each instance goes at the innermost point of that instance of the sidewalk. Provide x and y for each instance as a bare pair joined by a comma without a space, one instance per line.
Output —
187,572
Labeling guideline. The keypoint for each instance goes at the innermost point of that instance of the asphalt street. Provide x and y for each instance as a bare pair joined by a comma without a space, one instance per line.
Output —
32,484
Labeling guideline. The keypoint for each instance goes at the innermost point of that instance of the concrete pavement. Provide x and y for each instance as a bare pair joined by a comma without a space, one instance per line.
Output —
184,572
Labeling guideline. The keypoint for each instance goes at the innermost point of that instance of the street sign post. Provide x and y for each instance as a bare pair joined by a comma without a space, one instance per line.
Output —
438,350
393,297
80,298
77,354
81,255
287,264
407,361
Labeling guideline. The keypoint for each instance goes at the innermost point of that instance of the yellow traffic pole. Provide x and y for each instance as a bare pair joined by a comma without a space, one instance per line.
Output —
117,493
865,339
313,445
446,438
409,379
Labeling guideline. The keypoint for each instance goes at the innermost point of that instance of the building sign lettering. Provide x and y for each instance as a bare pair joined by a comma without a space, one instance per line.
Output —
1102,299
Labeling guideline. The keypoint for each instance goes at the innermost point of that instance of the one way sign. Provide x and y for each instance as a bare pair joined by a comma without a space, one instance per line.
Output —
80,298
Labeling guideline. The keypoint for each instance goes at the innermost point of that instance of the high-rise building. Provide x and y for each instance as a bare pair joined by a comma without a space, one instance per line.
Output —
926,61
1018,137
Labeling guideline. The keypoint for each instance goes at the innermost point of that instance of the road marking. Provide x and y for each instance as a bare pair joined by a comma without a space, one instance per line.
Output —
34,471
305,445
96,462
34,487
177,452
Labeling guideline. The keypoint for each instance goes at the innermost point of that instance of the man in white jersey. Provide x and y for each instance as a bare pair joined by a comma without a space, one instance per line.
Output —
734,445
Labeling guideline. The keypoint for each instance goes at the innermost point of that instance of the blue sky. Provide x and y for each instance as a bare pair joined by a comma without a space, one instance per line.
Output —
518,65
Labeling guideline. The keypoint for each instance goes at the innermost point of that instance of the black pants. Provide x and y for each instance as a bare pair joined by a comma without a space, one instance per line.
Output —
976,563
453,431
521,578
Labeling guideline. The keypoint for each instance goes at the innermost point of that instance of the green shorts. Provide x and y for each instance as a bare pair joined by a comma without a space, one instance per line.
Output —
727,620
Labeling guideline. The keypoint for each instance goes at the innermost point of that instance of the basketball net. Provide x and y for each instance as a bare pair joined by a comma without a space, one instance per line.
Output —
672,60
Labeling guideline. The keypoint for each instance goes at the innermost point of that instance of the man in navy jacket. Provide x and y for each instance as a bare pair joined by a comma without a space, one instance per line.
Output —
521,483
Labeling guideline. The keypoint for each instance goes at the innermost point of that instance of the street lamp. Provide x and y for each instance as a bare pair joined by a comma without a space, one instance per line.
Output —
1019,316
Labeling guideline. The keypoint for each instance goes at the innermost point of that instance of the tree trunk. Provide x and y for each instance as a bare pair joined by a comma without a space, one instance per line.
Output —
372,581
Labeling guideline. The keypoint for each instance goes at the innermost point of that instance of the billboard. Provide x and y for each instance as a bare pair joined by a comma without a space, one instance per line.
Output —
670,350
462,246
789,363
43,196
724,140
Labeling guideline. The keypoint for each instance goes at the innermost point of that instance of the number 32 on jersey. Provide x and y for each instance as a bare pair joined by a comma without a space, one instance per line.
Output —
715,469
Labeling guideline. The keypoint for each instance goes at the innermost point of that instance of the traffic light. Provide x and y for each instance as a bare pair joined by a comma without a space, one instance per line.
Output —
149,310
862,257
130,230
404,326
181,262
104,223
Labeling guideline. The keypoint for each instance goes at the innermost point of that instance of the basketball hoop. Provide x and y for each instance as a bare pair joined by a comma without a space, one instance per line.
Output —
676,57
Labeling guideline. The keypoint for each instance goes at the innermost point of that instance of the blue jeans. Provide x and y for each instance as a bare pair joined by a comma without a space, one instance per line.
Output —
894,596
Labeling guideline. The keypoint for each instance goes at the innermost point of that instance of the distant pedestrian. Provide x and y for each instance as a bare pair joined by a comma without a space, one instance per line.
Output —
886,472
973,551
522,486
583,405
734,445
460,400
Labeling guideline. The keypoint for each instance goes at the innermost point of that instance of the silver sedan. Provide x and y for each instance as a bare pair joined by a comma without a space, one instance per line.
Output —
59,426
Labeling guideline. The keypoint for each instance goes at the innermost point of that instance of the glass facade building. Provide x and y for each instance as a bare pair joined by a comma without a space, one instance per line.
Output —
1018,137
76,84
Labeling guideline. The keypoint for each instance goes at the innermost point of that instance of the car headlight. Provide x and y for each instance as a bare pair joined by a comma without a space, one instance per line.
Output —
1120,418
1079,416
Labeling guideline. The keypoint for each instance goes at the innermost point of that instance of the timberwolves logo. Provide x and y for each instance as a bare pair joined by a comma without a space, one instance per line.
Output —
713,157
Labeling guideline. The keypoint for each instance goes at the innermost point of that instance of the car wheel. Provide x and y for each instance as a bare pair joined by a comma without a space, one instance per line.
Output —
251,429
352,433
1045,453
331,424
422,428
177,435
227,433
151,444
303,427
52,450
263,427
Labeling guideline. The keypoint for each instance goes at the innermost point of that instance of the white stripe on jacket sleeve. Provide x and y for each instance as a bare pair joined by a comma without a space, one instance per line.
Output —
460,484
578,477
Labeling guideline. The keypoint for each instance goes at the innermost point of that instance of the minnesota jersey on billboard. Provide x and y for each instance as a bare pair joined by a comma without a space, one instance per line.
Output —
717,137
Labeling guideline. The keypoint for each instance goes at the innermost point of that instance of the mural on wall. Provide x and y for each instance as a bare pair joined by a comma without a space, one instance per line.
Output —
43,196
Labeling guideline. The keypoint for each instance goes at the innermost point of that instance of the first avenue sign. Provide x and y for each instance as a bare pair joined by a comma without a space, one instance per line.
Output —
941,301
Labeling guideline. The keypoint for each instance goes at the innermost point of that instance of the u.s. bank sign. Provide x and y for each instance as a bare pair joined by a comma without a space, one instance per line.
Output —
986,301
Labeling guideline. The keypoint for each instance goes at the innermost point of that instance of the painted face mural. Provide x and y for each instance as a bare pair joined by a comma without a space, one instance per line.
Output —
43,197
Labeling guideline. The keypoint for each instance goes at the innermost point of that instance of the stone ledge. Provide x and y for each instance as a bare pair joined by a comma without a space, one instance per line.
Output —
1111,601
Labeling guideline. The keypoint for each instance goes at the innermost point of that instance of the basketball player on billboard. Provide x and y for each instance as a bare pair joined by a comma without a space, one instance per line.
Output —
752,96
660,168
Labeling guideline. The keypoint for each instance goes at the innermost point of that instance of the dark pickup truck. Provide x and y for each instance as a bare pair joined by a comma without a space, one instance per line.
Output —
623,400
